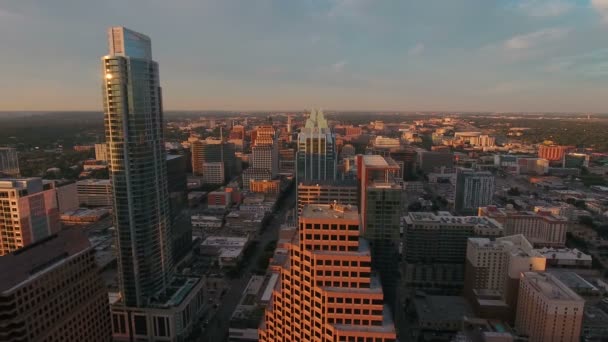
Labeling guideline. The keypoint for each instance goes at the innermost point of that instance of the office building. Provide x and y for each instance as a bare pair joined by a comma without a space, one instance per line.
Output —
382,230
343,192
541,228
566,258
434,247
554,153
66,194
255,175
326,290
181,228
474,189
263,157
265,186
287,161
101,152
406,159
431,161
9,162
317,153
492,273
52,290
153,303
547,310
214,173
30,212
94,193
214,151
370,169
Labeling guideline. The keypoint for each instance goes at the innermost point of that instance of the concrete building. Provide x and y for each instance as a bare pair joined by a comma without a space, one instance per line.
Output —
265,157
52,290
540,228
287,161
474,189
94,193
255,175
566,258
532,166
66,193
265,186
317,153
227,249
30,212
213,172
434,247
327,192
547,310
9,162
249,313
326,290
431,161
492,273
554,153
214,151
101,152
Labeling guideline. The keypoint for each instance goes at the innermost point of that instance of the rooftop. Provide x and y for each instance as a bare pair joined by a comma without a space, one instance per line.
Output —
330,211
442,308
550,287
564,254
37,258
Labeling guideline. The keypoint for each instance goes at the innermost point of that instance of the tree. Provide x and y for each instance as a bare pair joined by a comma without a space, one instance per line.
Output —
586,220
513,191
416,206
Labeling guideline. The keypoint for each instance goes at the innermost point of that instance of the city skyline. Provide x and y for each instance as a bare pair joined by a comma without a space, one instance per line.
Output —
527,55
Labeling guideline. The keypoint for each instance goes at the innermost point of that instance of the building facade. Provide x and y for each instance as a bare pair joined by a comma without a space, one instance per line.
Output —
134,136
94,193
434,247
255,175
30,212
553,153
547,310
213,151
317,154
9,162
54,292
474,189
541,228
343,192
265,186
326,290
101,152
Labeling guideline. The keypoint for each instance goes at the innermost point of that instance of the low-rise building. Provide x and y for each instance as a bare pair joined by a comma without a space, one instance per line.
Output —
227,249
566,257
94,193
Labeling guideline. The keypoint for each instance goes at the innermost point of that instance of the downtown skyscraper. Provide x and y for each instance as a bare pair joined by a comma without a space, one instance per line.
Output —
134,136
316,156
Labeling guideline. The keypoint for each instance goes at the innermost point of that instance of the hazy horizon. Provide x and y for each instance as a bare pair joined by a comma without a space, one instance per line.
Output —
538,56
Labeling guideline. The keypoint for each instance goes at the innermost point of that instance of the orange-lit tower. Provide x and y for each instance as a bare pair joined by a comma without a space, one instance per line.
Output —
327,292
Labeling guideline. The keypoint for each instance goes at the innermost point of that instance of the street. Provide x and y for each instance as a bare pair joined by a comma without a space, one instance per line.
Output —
217,330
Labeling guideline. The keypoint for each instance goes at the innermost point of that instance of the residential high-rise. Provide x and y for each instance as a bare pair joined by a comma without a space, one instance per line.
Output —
435,245
9,162
474,189
181,228
154,303
317,153
101,152
52,290
213,151
541,228
326,290
134,136
343,192
492,272
30,212
547,310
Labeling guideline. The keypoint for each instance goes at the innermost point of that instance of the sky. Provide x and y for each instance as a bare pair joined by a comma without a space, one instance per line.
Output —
440,55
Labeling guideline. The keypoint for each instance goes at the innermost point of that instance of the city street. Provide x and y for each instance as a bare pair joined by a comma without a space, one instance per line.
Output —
217,330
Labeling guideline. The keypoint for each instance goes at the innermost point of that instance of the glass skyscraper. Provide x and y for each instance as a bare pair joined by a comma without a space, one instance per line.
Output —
134,135
316,156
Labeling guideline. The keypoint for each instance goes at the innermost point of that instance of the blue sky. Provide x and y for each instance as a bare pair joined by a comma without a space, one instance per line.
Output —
501,55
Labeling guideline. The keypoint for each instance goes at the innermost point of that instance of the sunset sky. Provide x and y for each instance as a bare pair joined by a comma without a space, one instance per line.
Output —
490,55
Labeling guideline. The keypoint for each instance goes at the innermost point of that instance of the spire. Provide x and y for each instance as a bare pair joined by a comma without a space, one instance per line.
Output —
316,119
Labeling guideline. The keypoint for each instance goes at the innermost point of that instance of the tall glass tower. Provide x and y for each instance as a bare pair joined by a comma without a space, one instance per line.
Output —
316,156
134,135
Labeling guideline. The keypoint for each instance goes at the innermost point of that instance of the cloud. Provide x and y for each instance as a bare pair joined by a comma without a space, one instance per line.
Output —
545,8
347,8
601,6
416,50
533,39
339,66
